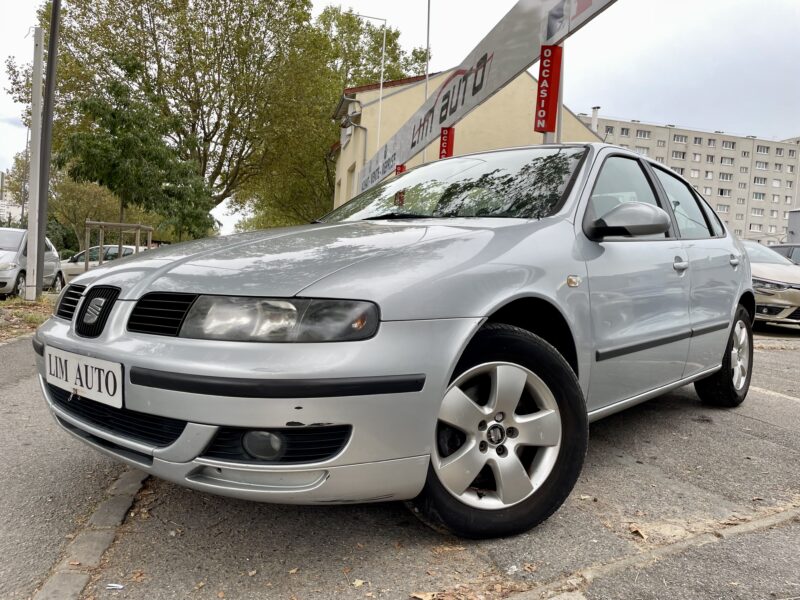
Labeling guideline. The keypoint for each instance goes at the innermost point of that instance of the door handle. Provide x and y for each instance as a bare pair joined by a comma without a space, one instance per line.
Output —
734,261
680,265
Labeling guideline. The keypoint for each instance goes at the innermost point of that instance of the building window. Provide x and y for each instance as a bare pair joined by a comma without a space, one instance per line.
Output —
761,165
788,199
778,167
759,196
609,130
643,134
624,131
745,154
678,170
726,160
723,208
743,169
739,217
790,168
762,149
724,193
726,176
694,173
792,153
709,158
786,215
712,143
778,151
661,143
641,150
756,227
776,183
737,231
757,212
742,185
678,155
707,191
788,184
709,175
741,201
728,145
773,228
680,139
696,157
773,214
698,141
660,159
760,180
776,198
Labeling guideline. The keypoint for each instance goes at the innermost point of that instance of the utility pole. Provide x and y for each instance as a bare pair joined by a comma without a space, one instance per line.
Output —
32,261
427,65
47,140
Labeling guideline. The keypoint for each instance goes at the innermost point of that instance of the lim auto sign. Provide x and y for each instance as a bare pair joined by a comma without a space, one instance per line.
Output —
508,49
547,94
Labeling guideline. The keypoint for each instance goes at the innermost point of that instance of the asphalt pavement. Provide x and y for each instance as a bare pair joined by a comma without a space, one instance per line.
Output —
676,500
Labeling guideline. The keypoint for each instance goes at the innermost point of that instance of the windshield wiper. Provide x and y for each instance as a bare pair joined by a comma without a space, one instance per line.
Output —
395,215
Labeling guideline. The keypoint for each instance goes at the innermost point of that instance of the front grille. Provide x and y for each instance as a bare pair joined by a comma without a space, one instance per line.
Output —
303,444
160,313
69,301
795,316
141,427
105,295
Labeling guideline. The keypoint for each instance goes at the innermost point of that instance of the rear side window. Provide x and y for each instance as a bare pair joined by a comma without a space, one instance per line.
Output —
692,222
783,251
796,255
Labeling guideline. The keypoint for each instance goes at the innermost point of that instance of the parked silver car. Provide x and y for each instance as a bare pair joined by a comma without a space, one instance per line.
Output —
14,261
776,283
445,337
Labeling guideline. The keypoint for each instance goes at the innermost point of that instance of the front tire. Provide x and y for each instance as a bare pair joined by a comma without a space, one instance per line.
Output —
58,283
19,285
728,386
510,440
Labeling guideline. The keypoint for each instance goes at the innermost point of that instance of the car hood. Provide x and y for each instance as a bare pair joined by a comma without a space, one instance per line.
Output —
278,262
7,256
774,272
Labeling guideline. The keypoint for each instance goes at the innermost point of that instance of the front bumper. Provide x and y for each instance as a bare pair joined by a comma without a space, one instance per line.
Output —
782,306
385,458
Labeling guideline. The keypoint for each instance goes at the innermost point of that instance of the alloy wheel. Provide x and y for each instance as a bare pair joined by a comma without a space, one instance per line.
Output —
498,435
740,355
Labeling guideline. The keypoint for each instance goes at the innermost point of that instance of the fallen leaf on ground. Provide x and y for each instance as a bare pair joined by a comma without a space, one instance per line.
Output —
74,563
294,571
445,548
530,567
635,530
138,576
358,582
424,595
199,585
220,594
251,573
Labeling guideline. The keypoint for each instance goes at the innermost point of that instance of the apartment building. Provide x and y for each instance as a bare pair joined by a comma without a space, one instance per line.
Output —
752,183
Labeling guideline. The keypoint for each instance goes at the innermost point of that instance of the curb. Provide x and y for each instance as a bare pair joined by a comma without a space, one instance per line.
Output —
71,574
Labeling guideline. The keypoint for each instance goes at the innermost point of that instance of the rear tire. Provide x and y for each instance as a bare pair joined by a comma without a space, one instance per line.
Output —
728,386
515,447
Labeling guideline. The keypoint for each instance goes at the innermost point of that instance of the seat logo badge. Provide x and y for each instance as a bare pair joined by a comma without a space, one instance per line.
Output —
93,311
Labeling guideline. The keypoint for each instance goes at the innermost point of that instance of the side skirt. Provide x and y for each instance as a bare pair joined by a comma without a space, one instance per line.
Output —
605,411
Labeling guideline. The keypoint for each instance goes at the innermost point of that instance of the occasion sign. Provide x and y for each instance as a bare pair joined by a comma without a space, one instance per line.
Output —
508,49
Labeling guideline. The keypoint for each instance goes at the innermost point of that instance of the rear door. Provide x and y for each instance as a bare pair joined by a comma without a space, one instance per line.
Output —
638,293
714,272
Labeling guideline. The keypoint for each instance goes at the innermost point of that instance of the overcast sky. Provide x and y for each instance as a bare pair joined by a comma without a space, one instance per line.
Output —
729,65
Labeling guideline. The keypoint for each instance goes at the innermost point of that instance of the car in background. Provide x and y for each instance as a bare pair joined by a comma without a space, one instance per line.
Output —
776,282
13,263
76,264
790,251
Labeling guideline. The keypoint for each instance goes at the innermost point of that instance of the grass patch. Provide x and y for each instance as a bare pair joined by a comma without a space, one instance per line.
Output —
18,317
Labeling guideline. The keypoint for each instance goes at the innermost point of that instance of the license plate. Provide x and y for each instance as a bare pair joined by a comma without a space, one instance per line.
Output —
92,378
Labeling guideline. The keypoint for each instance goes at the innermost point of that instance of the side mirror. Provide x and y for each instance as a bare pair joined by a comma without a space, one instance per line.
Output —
630,219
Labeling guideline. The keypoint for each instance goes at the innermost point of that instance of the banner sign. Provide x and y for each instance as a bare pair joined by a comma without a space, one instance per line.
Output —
446,142
507,50
547,94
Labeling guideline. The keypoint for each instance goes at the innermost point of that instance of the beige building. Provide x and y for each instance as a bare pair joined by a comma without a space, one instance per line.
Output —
505,120
751,183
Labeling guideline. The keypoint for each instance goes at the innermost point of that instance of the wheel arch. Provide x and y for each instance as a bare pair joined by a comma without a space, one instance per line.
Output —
748,301
541,317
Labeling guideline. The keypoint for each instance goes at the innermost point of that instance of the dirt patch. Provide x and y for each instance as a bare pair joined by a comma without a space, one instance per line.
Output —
18,317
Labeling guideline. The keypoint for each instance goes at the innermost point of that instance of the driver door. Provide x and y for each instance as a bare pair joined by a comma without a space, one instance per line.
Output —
638,293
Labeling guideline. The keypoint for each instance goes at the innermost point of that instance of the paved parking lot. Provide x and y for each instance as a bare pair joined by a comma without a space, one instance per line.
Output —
676,500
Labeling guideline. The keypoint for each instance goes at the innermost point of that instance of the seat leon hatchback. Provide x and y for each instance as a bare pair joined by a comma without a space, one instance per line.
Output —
444,338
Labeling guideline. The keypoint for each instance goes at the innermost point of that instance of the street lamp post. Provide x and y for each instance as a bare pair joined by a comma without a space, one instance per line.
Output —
380,92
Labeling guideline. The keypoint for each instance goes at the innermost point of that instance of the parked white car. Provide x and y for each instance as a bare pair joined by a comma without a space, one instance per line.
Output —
77,264
14,261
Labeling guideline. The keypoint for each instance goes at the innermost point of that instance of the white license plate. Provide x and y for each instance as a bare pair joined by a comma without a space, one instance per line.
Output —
93,378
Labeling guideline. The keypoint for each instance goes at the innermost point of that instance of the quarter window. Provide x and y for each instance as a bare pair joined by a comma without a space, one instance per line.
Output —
688,213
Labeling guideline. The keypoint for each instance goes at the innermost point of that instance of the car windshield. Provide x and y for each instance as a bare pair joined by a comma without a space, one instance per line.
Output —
525,183
762,254
9,239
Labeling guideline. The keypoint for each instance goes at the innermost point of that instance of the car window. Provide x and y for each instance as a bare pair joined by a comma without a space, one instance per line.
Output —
691,220
94,253
10,239
796,255
785,251
127,251
716,225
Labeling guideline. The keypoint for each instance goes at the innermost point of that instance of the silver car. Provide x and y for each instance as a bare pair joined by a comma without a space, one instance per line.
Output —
14,262
445,337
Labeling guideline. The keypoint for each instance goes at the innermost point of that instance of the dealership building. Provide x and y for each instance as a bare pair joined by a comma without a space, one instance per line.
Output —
751,182
504,120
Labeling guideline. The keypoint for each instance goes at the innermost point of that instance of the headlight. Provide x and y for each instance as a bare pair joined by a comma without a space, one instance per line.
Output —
8,266
770,286
245,319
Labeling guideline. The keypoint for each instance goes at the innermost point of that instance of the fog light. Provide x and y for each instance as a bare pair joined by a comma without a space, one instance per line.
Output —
264,445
